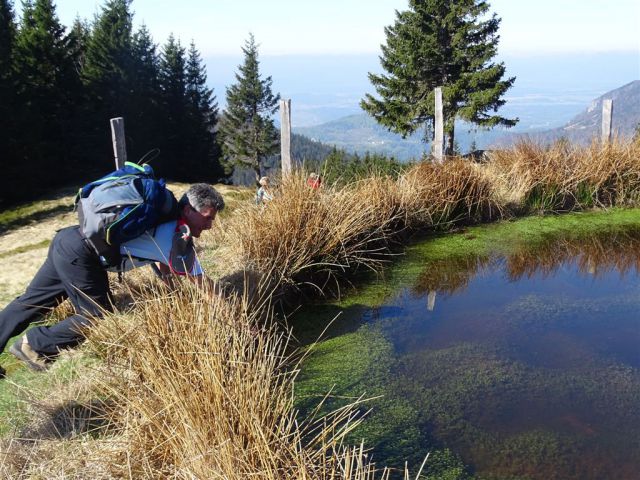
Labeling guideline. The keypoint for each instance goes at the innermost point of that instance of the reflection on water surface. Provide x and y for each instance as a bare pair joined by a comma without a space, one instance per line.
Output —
527,365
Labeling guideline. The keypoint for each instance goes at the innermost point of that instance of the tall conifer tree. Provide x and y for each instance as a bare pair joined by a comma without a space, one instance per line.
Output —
108,58
146,116
7,45
79,40
47,90
80,109
203,154
247,128
448,43
107,74
7,41
174,105
7,85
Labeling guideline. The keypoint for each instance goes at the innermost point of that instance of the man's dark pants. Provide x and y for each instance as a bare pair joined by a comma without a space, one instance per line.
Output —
72,270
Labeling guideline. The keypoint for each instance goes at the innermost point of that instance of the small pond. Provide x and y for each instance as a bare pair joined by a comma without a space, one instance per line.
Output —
514,358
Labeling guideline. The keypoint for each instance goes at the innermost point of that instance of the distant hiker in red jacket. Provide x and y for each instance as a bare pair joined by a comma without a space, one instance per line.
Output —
314,181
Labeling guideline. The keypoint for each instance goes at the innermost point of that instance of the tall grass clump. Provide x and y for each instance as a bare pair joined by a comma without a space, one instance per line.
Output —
191,385
303,231
201,388
304,235
610,174
438,195
562,177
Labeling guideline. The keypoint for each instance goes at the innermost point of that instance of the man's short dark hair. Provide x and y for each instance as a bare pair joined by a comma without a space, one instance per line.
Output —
202,195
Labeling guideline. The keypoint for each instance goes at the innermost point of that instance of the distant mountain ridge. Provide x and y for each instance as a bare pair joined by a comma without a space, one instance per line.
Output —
587,125
361,133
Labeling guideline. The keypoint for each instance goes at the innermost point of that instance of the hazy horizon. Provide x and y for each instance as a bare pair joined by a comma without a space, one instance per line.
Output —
326,87
563,54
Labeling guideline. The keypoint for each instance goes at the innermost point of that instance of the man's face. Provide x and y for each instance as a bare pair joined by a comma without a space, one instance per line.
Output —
198,221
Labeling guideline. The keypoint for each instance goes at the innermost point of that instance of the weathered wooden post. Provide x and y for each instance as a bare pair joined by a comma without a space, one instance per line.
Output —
607,115
591,265
431,300
119,144
285,136
438,137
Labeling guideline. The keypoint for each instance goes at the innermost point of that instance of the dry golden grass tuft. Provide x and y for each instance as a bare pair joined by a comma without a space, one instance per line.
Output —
564,176
439,194
200,387
305,234
306,231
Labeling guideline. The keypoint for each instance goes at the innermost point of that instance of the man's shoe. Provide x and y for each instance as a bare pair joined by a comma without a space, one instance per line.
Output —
23,351
3,372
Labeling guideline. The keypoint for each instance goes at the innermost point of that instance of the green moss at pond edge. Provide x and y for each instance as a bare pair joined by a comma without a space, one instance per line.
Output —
392,423
366,359
506,236
500,238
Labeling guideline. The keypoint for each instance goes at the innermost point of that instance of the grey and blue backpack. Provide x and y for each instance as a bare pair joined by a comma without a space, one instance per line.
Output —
121,206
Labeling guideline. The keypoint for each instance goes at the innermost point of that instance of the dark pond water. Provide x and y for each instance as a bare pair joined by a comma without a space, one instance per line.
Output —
526,365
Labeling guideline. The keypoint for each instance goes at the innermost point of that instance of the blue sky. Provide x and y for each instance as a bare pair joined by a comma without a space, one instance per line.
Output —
219,27
563,52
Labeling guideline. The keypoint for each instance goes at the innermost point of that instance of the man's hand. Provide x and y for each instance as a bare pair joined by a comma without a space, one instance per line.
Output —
201,280
166,275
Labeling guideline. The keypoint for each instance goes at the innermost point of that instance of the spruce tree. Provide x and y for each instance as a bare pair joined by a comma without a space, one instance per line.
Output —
107,75
81,109
145,117
108,58
7,97
47,90
7,41
79,40
174,107
247,128
202,149
448,43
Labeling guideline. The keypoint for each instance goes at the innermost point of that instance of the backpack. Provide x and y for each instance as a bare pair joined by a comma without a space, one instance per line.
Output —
121,206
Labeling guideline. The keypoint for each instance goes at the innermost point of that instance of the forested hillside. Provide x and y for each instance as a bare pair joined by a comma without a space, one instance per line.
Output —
304,151
60,85
333,163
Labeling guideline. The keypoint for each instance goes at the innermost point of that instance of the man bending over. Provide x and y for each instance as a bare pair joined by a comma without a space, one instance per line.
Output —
73,270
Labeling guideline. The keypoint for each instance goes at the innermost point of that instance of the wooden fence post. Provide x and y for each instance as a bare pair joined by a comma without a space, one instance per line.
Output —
119,144
431,300
438,137
607,115
285,136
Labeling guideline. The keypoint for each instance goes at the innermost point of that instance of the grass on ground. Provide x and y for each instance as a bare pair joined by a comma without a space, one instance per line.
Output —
303,237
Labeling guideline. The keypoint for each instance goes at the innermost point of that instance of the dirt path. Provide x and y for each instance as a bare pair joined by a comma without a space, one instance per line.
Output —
24,248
